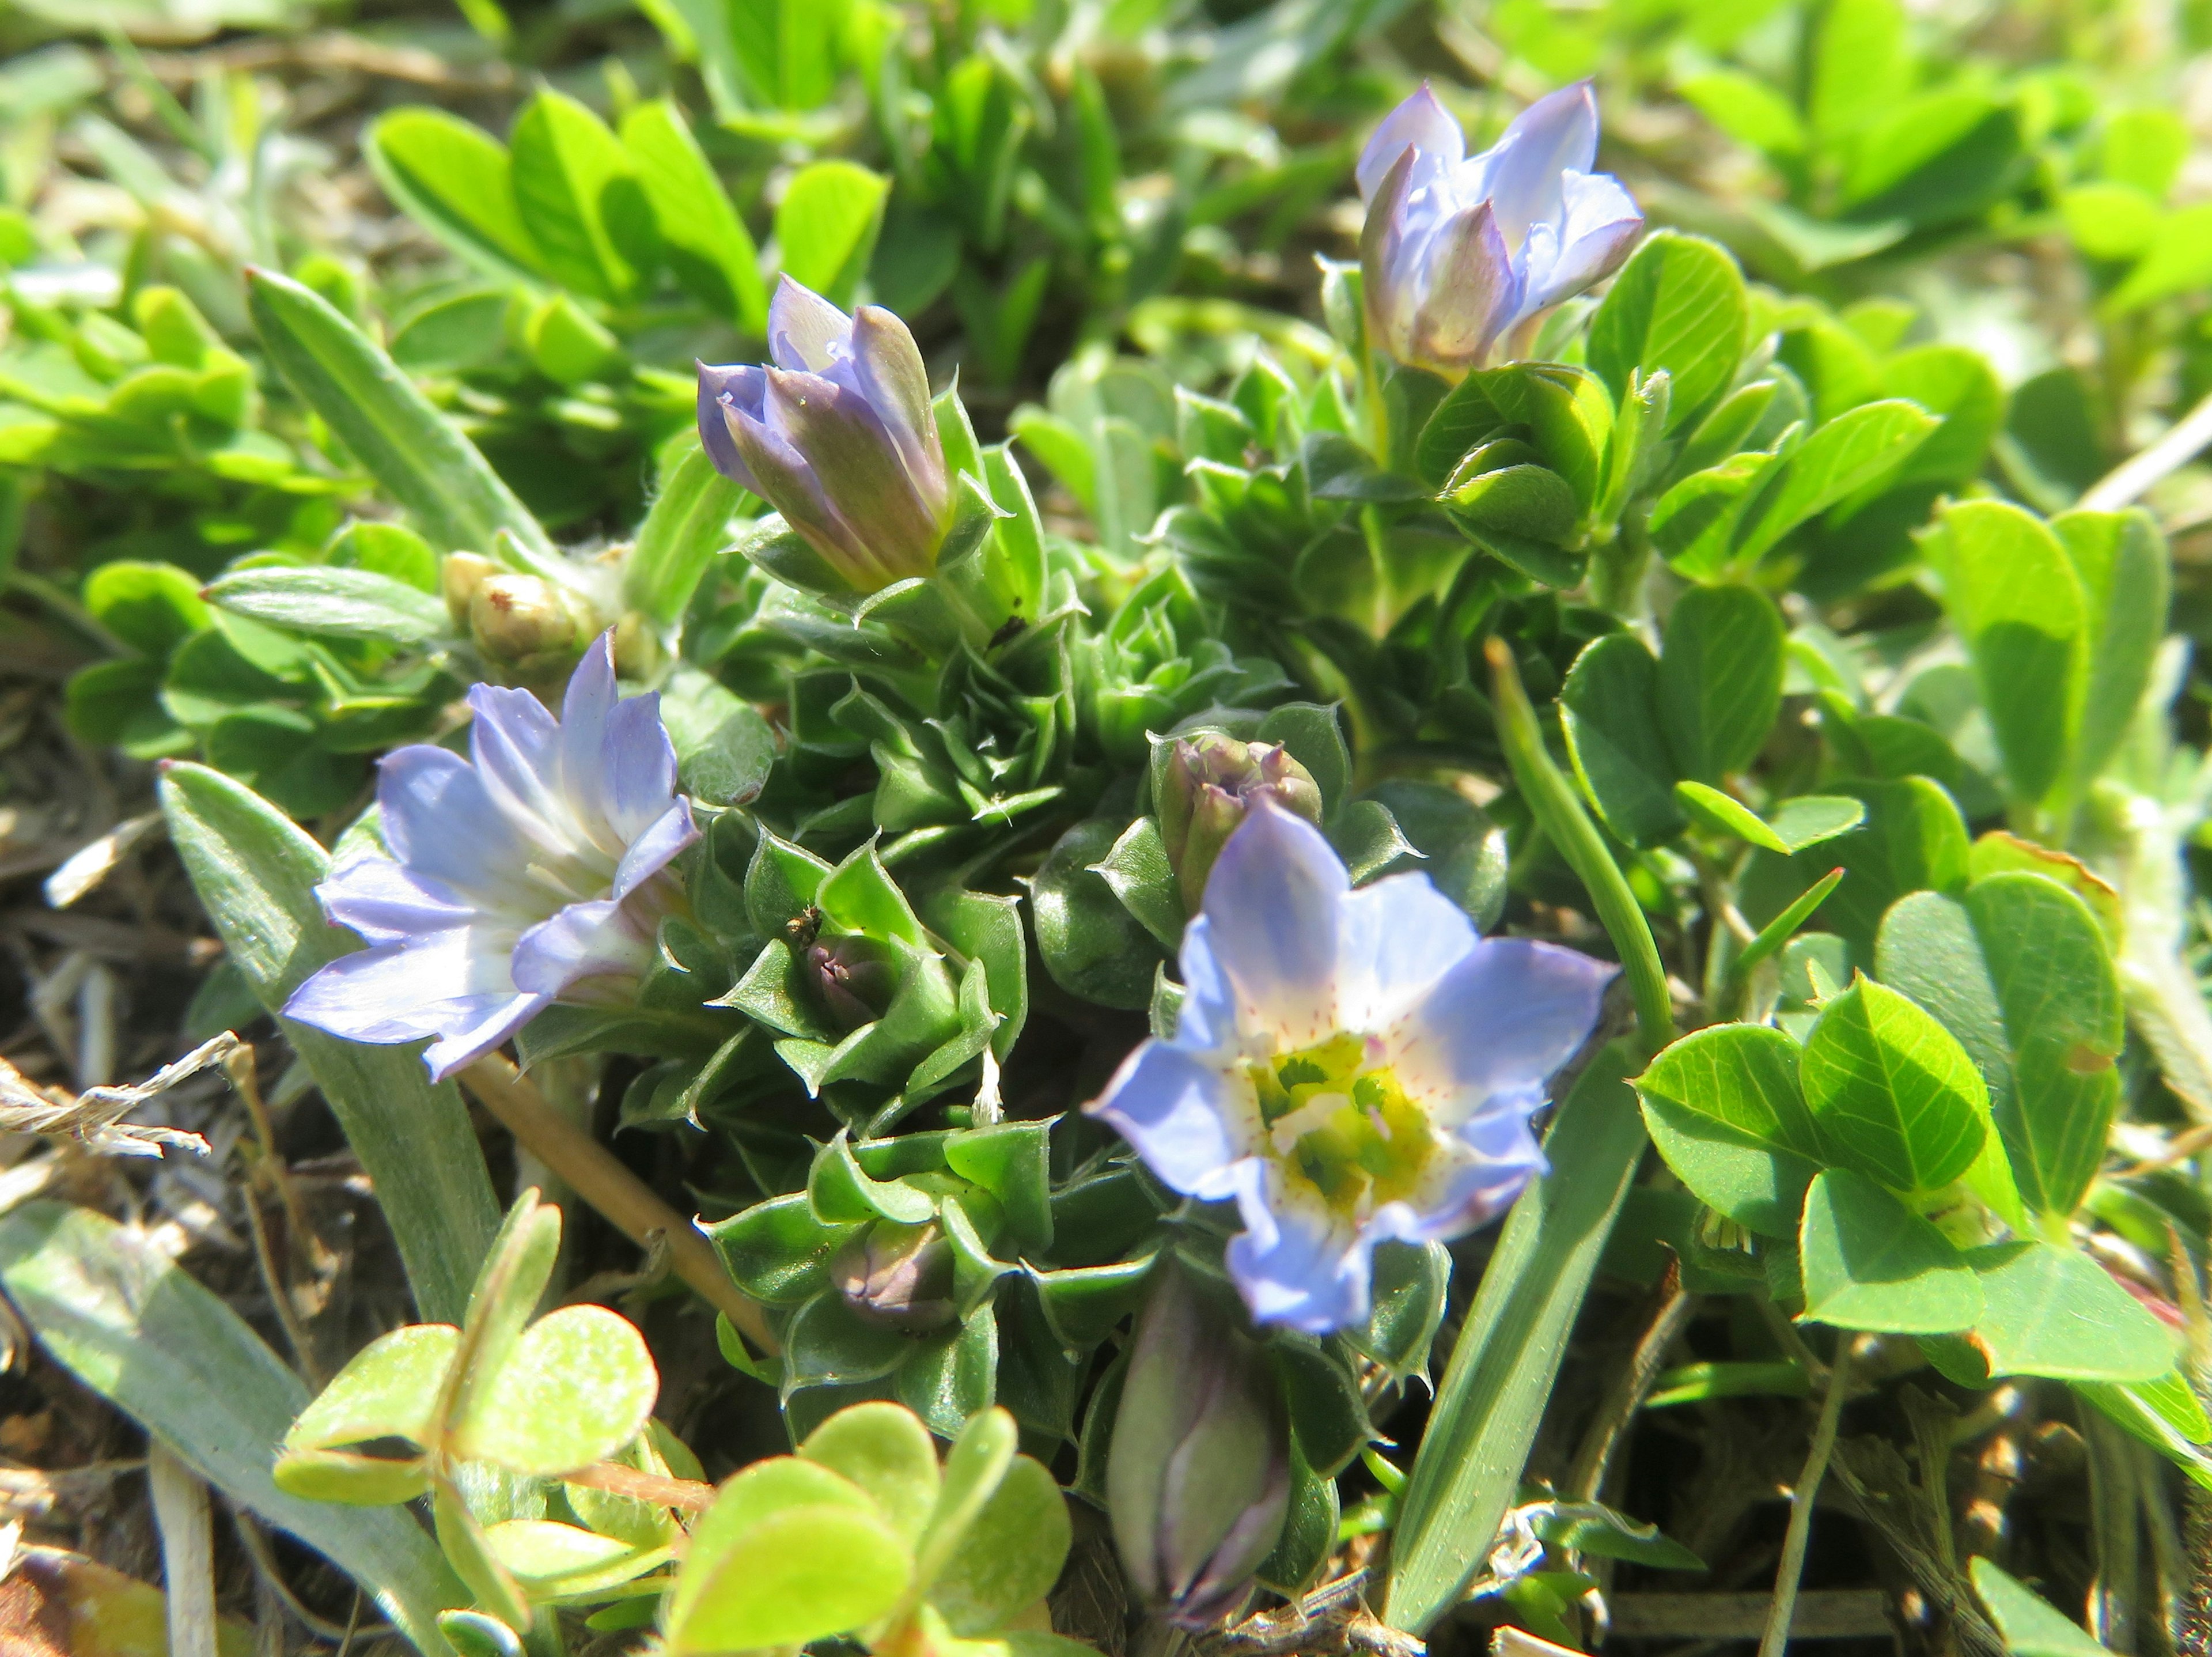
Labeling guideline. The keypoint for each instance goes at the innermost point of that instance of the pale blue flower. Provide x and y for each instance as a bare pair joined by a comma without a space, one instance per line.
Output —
1458,249
1349,1067
532,872
836,433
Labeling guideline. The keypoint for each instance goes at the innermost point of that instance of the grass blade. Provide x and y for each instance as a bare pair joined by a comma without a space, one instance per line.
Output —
429,466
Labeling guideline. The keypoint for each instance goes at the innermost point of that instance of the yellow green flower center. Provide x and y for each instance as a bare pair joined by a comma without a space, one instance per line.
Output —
1341,1126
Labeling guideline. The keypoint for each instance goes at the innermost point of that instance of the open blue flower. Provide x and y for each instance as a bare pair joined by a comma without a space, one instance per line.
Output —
1458,249
1349,1067
532,872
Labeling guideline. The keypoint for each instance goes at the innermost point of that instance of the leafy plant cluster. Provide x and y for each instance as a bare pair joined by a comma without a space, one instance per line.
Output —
1777,620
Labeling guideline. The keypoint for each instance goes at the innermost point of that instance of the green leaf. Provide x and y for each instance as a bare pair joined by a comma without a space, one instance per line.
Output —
1729,1172
789,1553
1893,1095
419,456
1871,1263
580,196
2020,974
1677,305
2016,602
1742,1076
255,874
151,607
391,1388
1796,824
777,1251
334,602
2126,574
2178,261
1834,462
2048,1309
2030,1625
1495,1390
138,1330
1862,62
1913,840
575,1388
457,182
888,1452
1090,944
978,1460
687,525
390,550
1957,384
2164,1414
1012,1555
826,226
1137,871
1720,679
704,241
1610,707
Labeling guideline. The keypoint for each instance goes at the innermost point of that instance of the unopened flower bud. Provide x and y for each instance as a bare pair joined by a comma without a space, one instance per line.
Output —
836,433
854,977
901,1275
1198,1479
459,577
528,623
1212,782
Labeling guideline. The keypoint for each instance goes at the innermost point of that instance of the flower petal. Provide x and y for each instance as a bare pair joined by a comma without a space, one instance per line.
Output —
652,851
1388,271
1469,291
789,484
516,745
1554,134
1397,937
638,769
440,821
1184,1116
721,389
1598,228
1501,1021
469,1041
888,368
1420,123
1272,901
449,983
1207,1022
857,468
593,940
388,902
1295,1269
805,331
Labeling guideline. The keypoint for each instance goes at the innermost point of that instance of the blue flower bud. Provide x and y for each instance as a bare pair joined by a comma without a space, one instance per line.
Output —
1457,250
1198,1478
1209,782
837,433
897,1275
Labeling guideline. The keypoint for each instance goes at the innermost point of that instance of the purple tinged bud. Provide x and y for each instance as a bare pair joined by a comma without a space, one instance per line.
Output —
1458,250
1211,784
836,433
897,1275
1198,1478
854,978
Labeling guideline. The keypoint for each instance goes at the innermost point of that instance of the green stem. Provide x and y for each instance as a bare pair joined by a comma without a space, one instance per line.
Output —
1552,801
1792,1566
